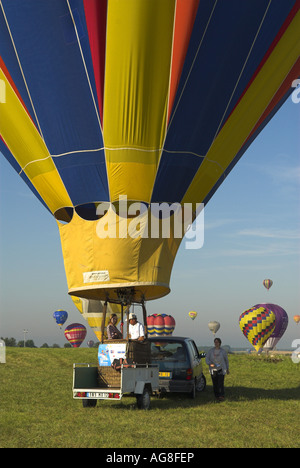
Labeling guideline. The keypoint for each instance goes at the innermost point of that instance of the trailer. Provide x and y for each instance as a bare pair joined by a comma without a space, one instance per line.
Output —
135,376
92,383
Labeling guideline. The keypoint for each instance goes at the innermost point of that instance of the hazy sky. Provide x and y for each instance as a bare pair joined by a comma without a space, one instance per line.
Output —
251,233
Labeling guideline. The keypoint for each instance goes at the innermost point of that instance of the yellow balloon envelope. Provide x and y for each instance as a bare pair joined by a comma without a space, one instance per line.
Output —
130,107
257,324
192,314
92,312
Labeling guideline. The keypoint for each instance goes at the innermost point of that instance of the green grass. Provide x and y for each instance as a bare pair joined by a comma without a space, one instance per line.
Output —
37,409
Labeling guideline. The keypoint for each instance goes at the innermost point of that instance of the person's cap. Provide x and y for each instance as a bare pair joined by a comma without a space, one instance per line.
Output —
132,316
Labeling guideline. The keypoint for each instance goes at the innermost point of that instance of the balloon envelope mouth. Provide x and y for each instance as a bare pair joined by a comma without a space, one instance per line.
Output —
138,293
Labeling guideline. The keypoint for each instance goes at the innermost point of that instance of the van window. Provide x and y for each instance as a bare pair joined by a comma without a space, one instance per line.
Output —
169,353
193,349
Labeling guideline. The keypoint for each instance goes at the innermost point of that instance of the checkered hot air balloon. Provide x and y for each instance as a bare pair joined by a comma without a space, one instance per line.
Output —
257,324
160,325
75,334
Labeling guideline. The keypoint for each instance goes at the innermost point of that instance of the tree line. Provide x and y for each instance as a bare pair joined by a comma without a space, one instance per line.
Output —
30,344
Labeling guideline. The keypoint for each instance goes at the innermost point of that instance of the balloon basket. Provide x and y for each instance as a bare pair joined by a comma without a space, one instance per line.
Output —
109,377
139,351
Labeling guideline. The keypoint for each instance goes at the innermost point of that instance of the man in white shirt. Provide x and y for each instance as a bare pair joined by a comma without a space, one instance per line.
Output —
136,329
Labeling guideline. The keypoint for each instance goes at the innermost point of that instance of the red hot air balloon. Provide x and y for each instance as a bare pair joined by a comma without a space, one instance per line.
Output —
160,325
75,334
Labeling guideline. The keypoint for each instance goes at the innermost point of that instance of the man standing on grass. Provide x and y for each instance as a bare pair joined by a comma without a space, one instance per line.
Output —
218,363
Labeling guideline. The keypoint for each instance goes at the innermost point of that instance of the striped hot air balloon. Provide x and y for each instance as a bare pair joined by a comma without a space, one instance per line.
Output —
257,324
160,325
154,101
75,334
267,283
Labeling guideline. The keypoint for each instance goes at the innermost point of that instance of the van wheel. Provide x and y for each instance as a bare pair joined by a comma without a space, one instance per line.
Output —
201,384
143,401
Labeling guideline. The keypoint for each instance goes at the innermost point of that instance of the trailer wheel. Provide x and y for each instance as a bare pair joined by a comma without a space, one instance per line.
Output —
143,400
89,403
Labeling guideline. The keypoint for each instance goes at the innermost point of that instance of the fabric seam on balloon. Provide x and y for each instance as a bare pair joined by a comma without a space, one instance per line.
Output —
240,75
192,66
21,69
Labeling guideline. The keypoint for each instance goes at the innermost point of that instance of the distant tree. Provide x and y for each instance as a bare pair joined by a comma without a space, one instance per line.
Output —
28,344
9,341
55,345
45,345
67,345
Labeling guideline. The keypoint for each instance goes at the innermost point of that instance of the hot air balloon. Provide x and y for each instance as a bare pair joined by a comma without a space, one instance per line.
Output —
75,334
297,318
60,317
192,314
214,326
160,325
281,323
92,311
257,324
113,108
267,283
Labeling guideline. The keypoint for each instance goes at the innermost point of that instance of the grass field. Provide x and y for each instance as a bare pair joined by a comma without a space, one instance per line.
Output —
261,409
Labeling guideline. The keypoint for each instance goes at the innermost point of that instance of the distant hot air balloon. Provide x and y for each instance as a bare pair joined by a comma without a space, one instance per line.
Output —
60,317
75,334
267,283
192,314
160,325
297,318
257,325
214,326
281,323
153,101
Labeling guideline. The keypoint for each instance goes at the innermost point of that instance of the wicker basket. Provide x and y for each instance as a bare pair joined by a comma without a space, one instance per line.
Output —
108,377
139,351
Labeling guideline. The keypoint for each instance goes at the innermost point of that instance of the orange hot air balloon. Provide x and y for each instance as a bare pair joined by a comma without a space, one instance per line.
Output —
297,318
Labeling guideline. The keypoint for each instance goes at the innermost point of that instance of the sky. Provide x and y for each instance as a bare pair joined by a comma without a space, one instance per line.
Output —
251,232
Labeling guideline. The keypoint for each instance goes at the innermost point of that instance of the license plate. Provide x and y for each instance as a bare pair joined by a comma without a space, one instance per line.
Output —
166,375
96,395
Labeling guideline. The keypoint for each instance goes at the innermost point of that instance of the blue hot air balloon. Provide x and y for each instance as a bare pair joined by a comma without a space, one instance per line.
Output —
60,317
